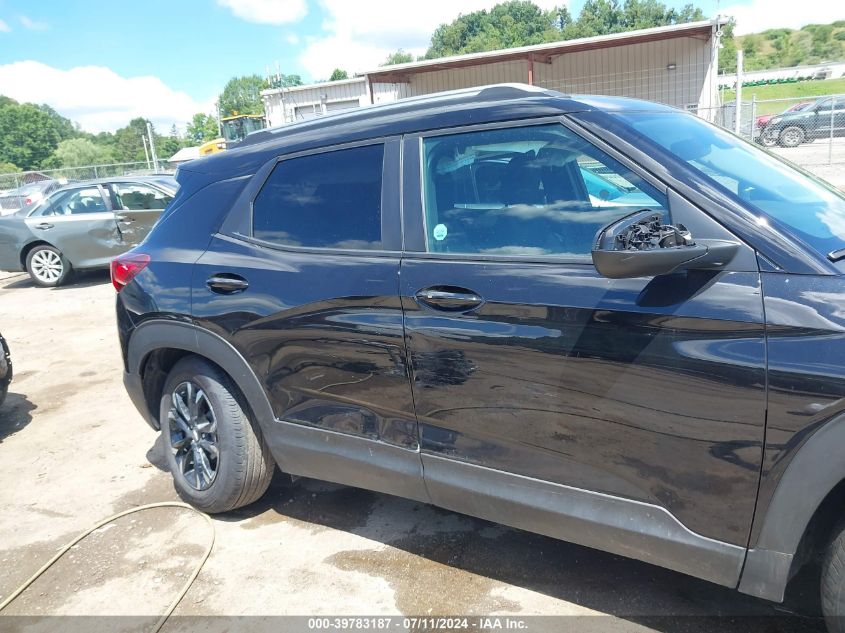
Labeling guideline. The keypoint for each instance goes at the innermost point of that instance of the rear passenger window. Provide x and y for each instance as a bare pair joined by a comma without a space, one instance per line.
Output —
533,190
327,200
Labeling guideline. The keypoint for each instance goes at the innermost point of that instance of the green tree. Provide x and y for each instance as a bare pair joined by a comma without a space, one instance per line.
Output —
284,81
27,135
598,17
64,127
202,128
522,23
242,95
751,45
727,55
8,168
399,57
168,145
128,142
506,25
338,74
79,152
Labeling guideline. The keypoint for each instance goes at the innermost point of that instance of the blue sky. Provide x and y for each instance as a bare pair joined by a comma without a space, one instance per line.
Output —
102,62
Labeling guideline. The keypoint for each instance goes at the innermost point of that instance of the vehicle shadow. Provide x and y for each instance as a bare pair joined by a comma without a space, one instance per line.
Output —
86,279
15,414
434,576
80,279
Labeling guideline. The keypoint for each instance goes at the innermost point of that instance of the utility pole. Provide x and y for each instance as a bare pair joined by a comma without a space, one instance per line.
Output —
152,146
146,153
830,140
738,121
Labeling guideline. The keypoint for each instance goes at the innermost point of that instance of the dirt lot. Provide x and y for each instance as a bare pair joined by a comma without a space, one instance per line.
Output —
74,450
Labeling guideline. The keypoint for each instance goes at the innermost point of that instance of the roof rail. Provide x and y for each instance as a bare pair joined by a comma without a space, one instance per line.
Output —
510,91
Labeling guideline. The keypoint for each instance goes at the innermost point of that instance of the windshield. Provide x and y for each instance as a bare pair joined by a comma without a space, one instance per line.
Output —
812,211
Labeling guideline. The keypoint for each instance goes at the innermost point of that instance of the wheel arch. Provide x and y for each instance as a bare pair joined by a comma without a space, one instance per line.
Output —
155,346
29,246
806,505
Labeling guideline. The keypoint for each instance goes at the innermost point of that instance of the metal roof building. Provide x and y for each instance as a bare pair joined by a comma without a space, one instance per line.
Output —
676,65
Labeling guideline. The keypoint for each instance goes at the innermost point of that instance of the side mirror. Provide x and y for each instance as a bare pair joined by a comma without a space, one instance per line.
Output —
639,245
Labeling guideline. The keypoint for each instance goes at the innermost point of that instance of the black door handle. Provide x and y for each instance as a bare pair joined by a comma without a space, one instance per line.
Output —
449,298
44,226
227,283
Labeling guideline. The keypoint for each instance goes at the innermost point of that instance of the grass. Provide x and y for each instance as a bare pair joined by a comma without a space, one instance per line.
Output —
802,90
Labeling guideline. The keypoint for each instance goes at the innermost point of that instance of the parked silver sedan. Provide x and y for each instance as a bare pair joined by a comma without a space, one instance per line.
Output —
81,226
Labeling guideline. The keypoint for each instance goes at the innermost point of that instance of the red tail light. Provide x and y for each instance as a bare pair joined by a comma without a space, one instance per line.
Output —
28,201
126,267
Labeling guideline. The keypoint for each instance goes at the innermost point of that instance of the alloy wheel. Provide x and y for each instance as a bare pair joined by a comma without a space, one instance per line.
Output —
193,435
47,266
792,137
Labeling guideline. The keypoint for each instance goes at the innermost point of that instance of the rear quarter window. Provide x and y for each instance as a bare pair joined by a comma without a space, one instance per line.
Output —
326,200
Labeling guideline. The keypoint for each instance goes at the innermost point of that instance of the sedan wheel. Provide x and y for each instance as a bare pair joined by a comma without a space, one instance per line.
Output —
47,266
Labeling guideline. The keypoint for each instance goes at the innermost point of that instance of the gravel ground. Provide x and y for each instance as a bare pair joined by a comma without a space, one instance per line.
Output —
73,450
820,158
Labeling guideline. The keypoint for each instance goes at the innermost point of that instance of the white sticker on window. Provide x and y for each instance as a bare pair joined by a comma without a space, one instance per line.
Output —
440,232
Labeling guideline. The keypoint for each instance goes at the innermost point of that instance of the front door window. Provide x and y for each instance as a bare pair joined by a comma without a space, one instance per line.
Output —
534,190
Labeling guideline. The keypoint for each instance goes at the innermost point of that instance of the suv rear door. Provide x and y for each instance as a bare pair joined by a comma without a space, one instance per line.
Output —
623,414
303,281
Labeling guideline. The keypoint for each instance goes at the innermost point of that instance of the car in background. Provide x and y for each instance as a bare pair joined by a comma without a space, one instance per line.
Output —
763,120
25,195
823,118
5,369
84,225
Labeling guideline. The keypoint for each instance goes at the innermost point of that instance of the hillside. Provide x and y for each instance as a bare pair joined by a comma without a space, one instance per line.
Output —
779,48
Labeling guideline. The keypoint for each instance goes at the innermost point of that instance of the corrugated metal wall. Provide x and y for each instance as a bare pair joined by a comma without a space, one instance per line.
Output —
676,71
641,70
636,70
304,102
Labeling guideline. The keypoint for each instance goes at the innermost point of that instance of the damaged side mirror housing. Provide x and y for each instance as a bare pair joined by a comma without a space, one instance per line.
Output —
640,245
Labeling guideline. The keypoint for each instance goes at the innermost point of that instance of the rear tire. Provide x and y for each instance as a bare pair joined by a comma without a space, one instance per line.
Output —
791,136
5,368
833,582
216,454
47,266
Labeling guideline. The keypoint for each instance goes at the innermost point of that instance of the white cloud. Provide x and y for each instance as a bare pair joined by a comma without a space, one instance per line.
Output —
360,35
292,39
98,98
33,25
760,15
267,11
4,28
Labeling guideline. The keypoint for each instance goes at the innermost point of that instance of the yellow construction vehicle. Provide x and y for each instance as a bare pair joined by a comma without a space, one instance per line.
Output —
235,129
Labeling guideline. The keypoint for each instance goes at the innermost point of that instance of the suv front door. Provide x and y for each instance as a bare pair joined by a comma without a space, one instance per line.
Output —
81,224
623,414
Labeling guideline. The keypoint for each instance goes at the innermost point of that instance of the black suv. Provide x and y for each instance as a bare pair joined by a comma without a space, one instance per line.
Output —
595,318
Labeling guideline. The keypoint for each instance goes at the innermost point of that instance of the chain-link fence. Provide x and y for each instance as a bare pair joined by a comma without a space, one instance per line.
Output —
809,132
19,189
